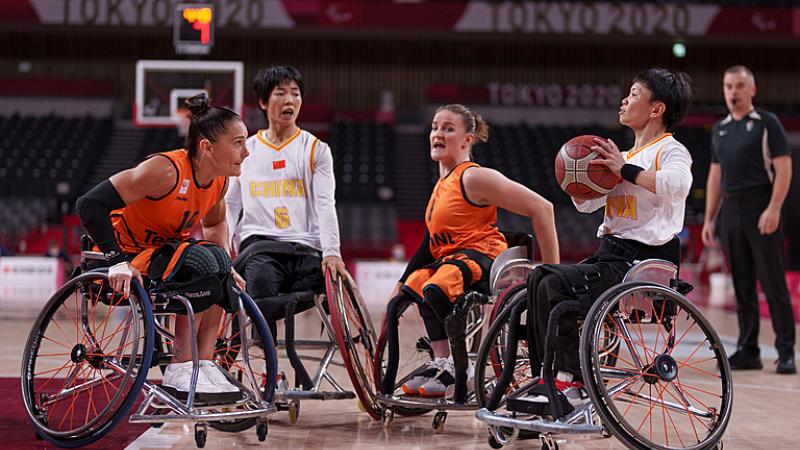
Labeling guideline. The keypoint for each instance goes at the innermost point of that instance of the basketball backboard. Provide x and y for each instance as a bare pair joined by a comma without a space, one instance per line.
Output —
162,85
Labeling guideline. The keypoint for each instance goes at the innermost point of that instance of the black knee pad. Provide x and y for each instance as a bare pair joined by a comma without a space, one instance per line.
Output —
436,299
433,325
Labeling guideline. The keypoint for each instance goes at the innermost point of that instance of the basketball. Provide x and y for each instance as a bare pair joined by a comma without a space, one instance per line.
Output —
574,174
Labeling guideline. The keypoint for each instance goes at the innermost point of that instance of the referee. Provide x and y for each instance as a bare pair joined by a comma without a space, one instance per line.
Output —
750,173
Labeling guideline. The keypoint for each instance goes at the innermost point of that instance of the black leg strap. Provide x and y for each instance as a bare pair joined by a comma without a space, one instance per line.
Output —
394,310
456,327
549,353
301,375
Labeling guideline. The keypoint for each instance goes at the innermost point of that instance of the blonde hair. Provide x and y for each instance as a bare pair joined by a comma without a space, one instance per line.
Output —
473,121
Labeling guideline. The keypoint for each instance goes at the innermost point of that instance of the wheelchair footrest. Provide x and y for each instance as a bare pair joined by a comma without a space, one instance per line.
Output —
206,398
526,405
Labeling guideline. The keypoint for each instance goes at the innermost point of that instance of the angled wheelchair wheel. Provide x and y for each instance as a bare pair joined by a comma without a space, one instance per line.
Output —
414,354
670,386
355,337
489,362
262,357
86,359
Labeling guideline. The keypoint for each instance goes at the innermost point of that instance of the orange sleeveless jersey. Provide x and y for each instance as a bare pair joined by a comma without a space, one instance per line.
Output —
455,223
150,222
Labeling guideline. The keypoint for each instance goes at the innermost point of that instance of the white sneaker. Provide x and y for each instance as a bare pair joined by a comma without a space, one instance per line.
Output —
214,374
437,385
178,377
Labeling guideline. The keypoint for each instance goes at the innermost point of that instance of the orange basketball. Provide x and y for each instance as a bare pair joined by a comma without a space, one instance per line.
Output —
574,174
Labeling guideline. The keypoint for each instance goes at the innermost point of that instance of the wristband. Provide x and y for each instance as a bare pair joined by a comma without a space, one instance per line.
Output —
629,172
120,269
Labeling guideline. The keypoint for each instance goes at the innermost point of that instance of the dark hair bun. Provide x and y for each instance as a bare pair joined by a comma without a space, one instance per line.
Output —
198,104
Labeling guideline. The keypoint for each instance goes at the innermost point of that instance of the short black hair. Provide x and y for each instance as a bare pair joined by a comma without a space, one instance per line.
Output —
671,87
267,79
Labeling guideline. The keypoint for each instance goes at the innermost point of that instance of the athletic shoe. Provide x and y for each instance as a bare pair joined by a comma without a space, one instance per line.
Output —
412,385
570,394
741,360
436,386
214,373
786,365
178,378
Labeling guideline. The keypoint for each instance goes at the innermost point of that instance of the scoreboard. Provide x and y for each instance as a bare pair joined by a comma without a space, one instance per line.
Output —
193,31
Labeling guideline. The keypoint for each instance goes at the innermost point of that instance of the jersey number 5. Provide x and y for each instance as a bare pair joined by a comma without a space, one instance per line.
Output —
282,217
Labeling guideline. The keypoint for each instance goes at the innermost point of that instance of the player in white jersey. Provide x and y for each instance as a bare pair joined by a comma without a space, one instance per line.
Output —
281,209
643,215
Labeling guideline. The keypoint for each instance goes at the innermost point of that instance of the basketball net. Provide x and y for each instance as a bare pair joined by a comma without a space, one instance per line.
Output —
181,120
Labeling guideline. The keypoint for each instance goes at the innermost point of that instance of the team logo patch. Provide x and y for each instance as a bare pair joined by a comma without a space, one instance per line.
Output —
749,125
184,186
280,164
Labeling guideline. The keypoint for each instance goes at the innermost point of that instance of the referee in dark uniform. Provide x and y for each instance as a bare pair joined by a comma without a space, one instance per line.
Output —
750,173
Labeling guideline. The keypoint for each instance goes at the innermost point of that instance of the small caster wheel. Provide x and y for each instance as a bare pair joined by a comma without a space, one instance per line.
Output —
605,433
294,411
718,446
493,442
387,416
262,429
438,421
548,443
200,435
157,412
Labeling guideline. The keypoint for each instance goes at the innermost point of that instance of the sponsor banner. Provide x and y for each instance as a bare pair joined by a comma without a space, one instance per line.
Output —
376,279
546,95
27,282
667,19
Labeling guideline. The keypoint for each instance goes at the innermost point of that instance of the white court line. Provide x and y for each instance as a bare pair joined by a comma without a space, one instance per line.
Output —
152,438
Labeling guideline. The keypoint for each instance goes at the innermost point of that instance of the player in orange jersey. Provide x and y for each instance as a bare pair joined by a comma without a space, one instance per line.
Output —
461,238
135,212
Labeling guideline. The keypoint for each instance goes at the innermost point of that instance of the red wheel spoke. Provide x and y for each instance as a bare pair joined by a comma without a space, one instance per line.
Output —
63,334
690,414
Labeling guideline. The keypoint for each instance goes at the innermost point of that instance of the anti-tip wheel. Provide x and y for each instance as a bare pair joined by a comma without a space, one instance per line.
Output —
262,429
387,417
294,411
438,421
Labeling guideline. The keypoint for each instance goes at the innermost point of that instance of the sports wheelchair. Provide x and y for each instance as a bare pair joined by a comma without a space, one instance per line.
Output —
90,351
346,329
509,269
654,369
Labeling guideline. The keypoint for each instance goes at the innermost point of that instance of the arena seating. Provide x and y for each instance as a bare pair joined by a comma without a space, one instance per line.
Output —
38,153
42,160
361,155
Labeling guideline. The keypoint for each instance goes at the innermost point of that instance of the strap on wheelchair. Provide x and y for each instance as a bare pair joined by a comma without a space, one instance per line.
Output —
394,310
209,281
556,404
455,324
514,335
301,375
466,273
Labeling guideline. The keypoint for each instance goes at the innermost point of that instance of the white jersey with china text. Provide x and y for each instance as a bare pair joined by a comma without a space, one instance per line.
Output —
633,212
285,193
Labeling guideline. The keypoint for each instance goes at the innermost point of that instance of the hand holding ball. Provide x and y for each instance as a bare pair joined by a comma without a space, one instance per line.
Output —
576,176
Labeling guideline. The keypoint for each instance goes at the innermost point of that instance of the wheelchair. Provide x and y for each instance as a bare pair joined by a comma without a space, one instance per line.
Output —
655,371
89,354
346,328
507,273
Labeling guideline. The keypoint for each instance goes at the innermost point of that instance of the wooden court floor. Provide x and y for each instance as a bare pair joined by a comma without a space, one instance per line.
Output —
766,411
